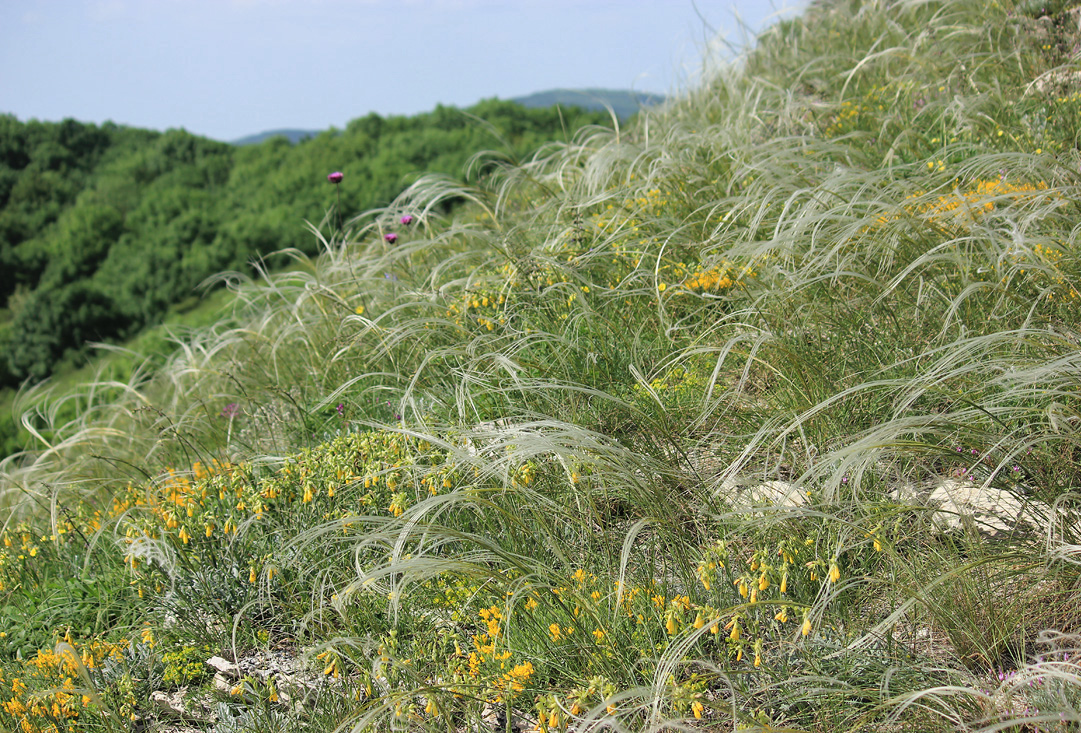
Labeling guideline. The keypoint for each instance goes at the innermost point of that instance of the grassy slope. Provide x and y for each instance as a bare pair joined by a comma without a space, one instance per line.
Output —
500,463
118,362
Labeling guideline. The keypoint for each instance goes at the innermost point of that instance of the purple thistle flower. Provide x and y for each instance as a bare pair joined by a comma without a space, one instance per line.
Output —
407,219
336,178
391,238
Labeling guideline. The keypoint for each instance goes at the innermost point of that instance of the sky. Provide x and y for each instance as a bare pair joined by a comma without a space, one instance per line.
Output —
230,68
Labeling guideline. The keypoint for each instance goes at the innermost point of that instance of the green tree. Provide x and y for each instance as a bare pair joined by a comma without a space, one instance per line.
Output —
53,323
82,240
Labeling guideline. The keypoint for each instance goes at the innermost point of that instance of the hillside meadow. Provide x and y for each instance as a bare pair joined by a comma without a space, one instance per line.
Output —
108,231
761,413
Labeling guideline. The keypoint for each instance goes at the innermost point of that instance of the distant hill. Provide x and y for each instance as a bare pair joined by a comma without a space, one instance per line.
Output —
294,136
624,103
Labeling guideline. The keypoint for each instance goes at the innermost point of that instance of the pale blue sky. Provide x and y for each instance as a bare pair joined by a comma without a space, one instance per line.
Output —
228,68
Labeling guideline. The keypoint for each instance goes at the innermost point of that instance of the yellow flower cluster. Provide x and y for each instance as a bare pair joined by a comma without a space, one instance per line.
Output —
22,546
963,207
514,681
491,617
357,471
717,278
484,310
848,116
1064,290
598,690
845,119
488,661
47,696
687,696
653,202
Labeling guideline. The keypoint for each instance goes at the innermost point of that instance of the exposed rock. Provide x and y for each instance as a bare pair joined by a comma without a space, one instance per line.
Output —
284,669
955,503
295,689
225,667
768,494
778,493
223,683
1061,82
181,709
990,511
171,704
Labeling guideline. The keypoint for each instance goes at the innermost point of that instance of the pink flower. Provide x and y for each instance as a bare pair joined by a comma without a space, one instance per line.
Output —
391,238
335,177
407,219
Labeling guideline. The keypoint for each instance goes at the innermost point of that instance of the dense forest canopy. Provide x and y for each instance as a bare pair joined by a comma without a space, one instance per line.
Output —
102,228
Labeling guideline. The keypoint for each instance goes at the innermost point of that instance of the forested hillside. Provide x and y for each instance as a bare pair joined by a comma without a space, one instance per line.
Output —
103,228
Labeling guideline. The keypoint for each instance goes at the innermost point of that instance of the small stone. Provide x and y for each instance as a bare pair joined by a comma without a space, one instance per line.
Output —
224,667
495,716
172,704
221,682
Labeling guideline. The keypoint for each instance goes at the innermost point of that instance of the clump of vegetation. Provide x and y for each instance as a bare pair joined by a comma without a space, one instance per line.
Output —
673,427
